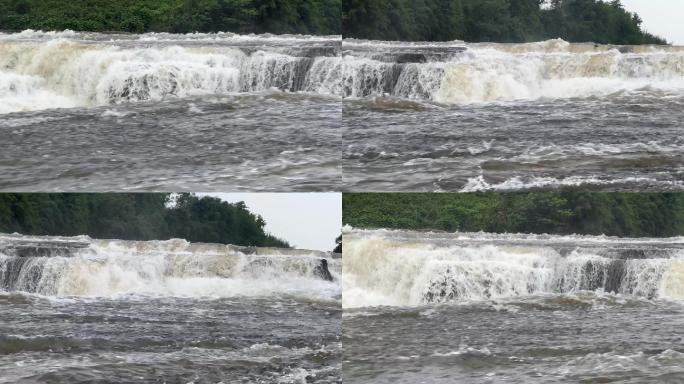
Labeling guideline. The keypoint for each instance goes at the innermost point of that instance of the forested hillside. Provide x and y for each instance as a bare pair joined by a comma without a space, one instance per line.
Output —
130,216
320,17
470,20
514,21
615,214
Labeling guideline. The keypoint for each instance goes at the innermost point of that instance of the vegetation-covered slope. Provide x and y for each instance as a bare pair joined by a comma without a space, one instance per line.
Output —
130,216
180,16
615,214
514,21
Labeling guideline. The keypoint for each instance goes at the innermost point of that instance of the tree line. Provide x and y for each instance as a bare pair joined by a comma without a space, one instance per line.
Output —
320,17
613,214
131,216
516,21
506,21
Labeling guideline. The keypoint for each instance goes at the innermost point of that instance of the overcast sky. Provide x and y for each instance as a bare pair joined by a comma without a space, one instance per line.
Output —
661,17
305,220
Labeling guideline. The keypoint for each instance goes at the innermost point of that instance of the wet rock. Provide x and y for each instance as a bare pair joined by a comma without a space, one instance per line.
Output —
322,271
404,58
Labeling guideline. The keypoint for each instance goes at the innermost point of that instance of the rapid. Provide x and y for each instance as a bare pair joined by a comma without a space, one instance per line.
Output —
490,308
549,115
80,310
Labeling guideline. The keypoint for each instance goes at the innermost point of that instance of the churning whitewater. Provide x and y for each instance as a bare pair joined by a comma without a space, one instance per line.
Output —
547,115
83,310
460,73
175,112
68,69
478,307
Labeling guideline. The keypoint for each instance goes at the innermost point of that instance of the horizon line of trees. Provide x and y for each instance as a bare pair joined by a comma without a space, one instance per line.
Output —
514,21
135,216
564,213
505,21
319,17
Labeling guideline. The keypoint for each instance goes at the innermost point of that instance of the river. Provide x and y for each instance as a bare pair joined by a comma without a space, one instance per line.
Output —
486,308
80,310
505,117
210,112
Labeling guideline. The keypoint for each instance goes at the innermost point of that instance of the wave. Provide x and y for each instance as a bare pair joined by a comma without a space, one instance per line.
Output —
460,73
400,268
81,266
479,184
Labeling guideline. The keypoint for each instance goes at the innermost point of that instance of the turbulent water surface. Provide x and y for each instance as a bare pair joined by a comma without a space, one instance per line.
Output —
78,310
465,308
157,112
548,115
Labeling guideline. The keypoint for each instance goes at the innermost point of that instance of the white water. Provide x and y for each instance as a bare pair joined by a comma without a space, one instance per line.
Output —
64,70
510,72
398,268
42,70
479,184
167,268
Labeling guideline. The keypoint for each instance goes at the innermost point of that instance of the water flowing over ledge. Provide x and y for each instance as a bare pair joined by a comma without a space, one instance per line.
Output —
79,310
80,266
462,73
400,268
44,70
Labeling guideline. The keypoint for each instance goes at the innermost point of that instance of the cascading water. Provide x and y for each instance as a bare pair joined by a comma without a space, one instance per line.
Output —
478,307
83,310
91,111
85,267
404,268
40,71
549,115
460,73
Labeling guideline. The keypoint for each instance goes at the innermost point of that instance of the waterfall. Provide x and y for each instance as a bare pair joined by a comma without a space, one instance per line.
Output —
87,267
408,268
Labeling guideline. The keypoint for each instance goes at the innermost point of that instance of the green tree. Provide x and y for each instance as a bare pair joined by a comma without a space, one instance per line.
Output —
180,16
130,216
614,214
494,20
338,244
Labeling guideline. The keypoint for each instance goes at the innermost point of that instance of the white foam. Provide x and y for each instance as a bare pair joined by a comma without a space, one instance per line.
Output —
61,70
398,268
486,73
171,268
479,184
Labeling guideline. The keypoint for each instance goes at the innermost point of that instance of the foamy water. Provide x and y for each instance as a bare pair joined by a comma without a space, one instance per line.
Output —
460,73
506,117
112,112
123,311
396,268
478,307
65,70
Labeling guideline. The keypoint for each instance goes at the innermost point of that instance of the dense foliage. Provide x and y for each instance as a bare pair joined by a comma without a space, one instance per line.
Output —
179,16
494,20
615,214
130,216
338,244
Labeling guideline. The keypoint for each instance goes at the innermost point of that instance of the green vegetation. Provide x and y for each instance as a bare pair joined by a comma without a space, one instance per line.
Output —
614,214
130,216
514,21
338,244
470,20
178,16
